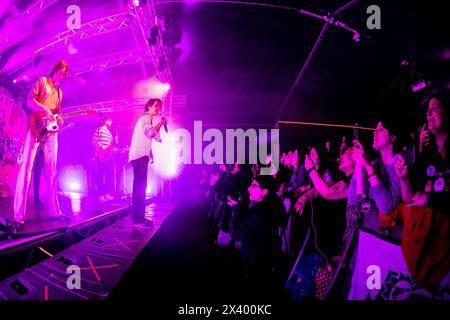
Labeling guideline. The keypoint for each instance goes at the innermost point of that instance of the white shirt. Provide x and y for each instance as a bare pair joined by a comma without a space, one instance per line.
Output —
141,142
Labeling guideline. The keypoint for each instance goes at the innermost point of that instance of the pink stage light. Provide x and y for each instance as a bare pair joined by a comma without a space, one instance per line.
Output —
74,186
151,88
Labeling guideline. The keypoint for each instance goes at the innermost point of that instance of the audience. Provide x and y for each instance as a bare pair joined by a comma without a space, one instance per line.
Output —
312,211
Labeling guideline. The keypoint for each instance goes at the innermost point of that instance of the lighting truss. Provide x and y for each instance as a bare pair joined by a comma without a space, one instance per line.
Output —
36,7
178,101
110,61
144,20
87,30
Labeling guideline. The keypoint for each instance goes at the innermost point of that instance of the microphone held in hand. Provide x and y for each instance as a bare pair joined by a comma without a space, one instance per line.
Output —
164,121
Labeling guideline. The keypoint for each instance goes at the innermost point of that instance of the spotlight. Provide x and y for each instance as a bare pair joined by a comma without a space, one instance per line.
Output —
153,37
74,186
166,86
356,37
136,3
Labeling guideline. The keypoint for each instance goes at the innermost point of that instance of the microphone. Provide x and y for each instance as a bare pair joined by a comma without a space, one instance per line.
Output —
165,125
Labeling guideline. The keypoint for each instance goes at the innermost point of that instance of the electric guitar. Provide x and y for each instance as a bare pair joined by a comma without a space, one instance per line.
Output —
40,124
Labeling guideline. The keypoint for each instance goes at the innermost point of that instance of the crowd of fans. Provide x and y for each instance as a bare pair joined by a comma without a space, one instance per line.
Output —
303,223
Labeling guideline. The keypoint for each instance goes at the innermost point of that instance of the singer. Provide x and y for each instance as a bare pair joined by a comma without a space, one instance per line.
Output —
141,155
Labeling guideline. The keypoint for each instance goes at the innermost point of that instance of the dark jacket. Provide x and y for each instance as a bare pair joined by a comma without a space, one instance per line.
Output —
234,185
256,227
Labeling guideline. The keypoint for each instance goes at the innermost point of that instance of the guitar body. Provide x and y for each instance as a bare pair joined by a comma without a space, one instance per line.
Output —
37,124
41,124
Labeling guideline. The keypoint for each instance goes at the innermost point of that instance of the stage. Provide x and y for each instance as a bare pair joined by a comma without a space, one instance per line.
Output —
35,260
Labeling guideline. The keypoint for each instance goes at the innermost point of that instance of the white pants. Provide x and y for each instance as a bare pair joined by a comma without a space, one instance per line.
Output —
50,148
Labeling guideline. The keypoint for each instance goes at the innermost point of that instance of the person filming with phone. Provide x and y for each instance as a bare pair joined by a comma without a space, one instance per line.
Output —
425,188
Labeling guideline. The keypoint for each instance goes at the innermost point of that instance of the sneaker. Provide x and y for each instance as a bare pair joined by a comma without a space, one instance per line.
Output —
109,197
147,224
17,226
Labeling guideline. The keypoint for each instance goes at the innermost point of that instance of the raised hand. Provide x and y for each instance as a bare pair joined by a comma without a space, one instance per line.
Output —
420,199
308,163
401,169
424,138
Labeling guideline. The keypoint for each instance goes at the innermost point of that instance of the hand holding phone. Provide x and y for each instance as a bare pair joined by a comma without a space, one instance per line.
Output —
424,138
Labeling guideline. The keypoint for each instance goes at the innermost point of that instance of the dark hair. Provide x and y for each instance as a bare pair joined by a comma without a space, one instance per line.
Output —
151,102
394,127
266,182
62,64
443,95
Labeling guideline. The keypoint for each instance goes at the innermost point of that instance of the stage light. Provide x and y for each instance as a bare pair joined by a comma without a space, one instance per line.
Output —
167,164
151,87
74,186
136,3
14,81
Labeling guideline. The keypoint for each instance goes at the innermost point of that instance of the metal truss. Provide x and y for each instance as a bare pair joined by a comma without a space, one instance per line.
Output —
87,30
179,101
144,18
36,7
110,61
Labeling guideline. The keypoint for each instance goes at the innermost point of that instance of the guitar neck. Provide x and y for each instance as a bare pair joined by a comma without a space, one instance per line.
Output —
73,114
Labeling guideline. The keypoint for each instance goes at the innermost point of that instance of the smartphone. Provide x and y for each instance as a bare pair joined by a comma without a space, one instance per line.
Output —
409,154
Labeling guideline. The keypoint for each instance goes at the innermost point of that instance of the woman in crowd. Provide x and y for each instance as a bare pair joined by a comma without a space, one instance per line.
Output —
255,225
426,190
375,187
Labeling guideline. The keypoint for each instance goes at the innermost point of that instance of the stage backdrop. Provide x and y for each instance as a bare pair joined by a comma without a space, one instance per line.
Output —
13,130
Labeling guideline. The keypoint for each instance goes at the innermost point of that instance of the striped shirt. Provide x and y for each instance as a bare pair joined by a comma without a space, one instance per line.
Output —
102,138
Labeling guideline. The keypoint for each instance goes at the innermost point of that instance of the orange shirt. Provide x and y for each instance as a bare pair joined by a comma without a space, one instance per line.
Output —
47,94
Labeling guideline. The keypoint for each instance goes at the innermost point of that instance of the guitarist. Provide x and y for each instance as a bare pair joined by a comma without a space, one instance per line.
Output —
102,141
44,99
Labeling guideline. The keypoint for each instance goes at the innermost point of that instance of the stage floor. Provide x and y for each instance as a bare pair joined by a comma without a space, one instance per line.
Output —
79,207
103,258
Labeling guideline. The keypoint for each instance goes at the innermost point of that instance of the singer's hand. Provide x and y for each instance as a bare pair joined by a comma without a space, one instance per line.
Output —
163,121
424,137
